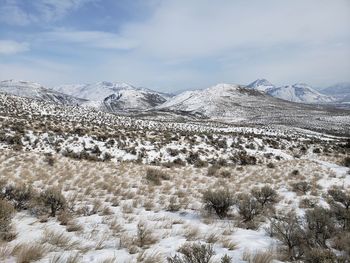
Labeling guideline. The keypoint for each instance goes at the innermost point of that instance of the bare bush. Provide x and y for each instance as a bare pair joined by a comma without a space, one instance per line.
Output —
19,195
301,187
54,199
320,226
265,195
248,207
219,200
287,230
193,253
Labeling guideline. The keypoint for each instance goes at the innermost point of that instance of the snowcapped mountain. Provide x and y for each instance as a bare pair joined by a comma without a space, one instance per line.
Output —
37,91
340,91
229,101
115,96
261,85
301,93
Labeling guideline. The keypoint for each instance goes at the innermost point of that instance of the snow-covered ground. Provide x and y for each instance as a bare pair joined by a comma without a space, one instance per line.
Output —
100,163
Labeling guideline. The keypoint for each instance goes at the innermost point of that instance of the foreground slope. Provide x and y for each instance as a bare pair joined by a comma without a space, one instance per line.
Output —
132,190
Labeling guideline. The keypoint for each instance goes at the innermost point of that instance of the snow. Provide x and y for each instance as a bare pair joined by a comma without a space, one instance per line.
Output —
127,96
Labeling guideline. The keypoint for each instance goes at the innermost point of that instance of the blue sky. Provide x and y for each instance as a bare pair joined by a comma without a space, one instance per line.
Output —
174,45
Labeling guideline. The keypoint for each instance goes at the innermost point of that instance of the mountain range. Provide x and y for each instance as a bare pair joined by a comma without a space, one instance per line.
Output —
340,91
220,101
300,92
37,91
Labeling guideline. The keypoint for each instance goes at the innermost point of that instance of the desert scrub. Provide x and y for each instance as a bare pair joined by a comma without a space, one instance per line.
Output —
54,199
265,195
301,187
19,195
248,208
218,200
193,253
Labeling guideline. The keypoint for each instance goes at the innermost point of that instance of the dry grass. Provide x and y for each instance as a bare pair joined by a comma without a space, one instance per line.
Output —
120,191
147,256
258,256
228,243
26,253
60,240
62,258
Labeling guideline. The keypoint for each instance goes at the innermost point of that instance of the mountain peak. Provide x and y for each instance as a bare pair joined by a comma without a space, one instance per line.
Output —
260,82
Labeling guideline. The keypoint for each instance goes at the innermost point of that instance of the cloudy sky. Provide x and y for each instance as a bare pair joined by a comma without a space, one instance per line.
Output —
175,44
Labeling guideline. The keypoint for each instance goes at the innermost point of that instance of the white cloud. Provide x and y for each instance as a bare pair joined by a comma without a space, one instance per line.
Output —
95,39
10,47
187,29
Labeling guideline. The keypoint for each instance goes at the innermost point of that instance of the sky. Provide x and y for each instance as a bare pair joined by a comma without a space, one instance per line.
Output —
172,45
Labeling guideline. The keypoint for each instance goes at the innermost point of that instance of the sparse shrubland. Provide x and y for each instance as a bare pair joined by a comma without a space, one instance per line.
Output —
146,204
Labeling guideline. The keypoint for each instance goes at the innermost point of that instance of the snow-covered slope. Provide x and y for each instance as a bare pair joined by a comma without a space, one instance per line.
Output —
228,101
36,91
261,85
115,96
301,93
340,91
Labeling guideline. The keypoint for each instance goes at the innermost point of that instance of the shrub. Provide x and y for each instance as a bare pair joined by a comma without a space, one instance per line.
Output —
320,226
342,243
212,170
270,165
265,195
226,259
301,187
219,200
317,255
6,213
156,176
193,253
287,230
200,163
174,204
243,158
340,204
225,174
144,236
248,207
19,195
346,161
340,196
192,158
54,199
49,159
